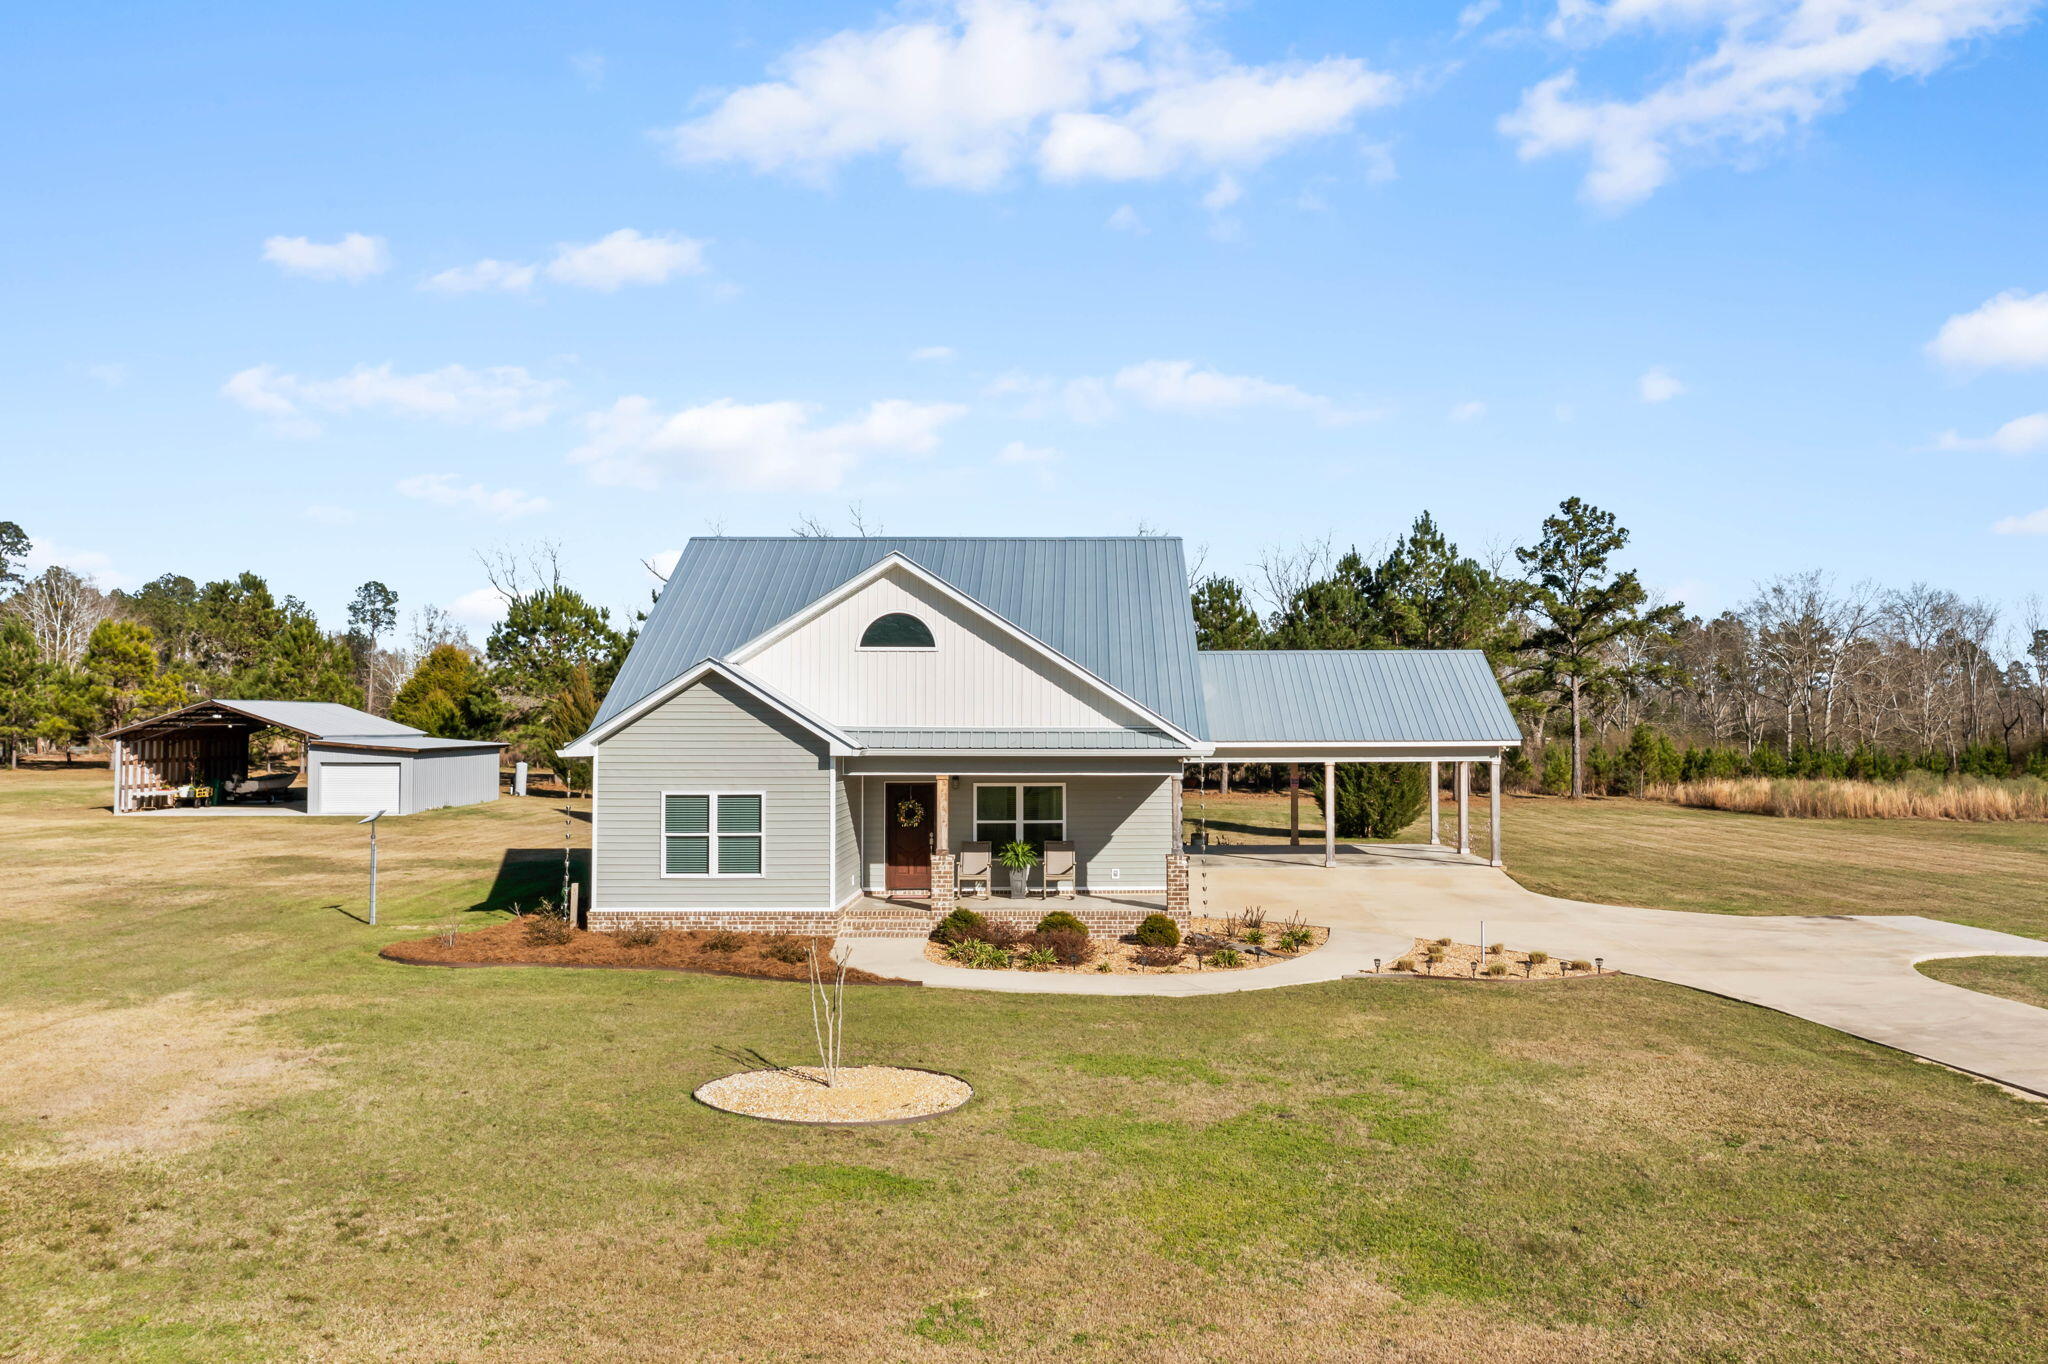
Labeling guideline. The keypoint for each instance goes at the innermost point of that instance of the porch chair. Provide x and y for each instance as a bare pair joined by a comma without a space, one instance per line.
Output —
973,865
1059,866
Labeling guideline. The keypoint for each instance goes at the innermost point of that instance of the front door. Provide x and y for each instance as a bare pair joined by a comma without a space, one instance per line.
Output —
911,809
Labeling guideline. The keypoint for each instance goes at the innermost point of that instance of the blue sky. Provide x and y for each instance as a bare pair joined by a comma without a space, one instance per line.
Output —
341,292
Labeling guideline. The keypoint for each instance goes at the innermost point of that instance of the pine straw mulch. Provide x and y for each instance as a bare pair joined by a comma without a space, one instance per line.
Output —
1121,954
734,954
1464,961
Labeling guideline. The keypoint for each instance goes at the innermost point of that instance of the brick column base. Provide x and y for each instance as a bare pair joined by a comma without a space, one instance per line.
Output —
942,882
1177,904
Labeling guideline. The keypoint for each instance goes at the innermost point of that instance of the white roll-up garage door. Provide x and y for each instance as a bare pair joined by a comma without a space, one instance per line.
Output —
358,788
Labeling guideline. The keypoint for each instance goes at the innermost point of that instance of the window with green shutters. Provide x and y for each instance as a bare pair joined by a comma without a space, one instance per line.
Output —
711,833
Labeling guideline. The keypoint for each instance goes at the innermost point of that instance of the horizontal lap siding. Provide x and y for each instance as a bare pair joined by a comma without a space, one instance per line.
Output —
1121,823
846,848
713,737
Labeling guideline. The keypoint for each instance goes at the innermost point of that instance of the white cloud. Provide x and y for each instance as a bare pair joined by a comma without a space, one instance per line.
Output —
1225,192
2026,435
932,353
1468,412
2033,523
86,563
1017,452
328,515
1770,66
1475,14
503,396
1658,385
2008,332
1176,386
626,257
663,562
112,375
501,275
589,68
483,606
353,258
504,504
1379,163
963,93
1126,219
753,446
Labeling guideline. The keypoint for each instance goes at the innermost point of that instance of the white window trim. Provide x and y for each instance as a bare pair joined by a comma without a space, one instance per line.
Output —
662,837
975,821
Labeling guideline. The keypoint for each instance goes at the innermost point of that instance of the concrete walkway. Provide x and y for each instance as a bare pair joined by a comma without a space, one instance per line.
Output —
1852,973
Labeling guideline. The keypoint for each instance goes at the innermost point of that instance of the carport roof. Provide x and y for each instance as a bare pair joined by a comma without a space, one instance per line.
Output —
313,719
1355,696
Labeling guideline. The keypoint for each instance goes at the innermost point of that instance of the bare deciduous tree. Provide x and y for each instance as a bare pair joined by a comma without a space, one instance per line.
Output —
61,609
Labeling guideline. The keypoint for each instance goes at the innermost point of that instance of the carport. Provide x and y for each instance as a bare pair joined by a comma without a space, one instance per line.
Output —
195,760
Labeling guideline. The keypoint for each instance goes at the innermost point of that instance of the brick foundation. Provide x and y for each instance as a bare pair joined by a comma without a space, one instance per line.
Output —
739,920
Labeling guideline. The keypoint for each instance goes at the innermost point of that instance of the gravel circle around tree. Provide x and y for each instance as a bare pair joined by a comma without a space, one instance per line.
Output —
855,1094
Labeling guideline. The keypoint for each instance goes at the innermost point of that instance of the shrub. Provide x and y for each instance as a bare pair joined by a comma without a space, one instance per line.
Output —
1496,949
1226,957
961,925
1499,968
1255,936
982,956
1160,955
1294,939
642,936
722,940
1102,966
1405,964
1068,947
1038,959
1576,965
1377,800
1443,942
1157,930
1059,921
1538,958
544,930
785,949
1001,933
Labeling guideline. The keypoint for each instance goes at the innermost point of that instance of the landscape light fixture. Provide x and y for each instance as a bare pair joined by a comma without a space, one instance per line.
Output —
372,822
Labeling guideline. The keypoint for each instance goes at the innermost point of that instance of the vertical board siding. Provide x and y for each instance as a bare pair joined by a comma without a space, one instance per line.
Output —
973,678
713,737
453,778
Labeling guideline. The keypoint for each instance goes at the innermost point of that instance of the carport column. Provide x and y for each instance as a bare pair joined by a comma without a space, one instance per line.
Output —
1493,806
1329,814
1294,805
1435,793
1464,812
942,844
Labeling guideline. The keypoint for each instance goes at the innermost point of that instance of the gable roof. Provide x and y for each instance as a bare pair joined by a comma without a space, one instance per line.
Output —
1117,606
585,744
314,719
1357,696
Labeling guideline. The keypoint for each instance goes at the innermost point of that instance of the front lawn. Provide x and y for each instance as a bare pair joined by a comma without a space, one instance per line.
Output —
232,1132
2022,978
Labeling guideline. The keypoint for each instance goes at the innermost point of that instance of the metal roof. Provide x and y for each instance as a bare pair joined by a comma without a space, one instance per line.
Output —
1117,606
987,740
314,719
1355,696
414,742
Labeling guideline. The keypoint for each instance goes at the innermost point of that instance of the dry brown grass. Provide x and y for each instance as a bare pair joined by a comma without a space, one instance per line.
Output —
1919,796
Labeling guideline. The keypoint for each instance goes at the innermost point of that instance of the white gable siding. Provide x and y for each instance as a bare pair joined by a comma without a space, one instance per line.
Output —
974,679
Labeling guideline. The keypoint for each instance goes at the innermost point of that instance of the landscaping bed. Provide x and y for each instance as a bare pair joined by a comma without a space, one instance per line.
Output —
1209,944
534,941
850,1095
1441,957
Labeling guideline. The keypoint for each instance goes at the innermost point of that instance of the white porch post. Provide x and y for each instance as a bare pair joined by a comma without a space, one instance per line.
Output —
1493,806
1329,814
1435,814
1294,805
1464,812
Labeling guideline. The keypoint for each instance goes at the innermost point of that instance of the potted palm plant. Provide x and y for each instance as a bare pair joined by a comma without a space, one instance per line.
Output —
1020,858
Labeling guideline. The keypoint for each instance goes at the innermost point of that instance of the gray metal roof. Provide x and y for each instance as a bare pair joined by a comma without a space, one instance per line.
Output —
986,740
414,742
1355,696
1118,606
314,719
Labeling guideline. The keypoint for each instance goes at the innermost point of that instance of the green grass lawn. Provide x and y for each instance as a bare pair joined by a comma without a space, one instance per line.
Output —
231,1132
1633,852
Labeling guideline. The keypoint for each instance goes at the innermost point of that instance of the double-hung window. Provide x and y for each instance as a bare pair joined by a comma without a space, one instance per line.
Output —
711,833
1020,814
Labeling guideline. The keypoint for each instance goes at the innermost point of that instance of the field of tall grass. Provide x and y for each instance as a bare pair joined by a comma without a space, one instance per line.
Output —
1918,795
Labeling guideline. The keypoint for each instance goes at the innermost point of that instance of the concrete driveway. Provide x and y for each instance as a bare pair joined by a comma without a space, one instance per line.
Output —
1852,973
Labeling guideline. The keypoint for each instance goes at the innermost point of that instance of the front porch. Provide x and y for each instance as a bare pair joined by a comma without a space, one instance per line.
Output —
900,916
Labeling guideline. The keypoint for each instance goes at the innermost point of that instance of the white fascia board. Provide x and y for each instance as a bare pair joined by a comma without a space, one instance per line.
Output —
841,744
986,754
895,559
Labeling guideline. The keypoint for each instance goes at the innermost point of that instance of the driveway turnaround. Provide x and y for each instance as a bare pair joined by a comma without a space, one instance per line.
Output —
1853,973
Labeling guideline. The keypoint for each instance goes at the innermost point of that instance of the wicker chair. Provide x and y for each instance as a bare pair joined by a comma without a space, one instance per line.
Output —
974,865
1059,866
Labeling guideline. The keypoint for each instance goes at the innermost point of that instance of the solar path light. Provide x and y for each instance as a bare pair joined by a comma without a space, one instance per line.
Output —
372,822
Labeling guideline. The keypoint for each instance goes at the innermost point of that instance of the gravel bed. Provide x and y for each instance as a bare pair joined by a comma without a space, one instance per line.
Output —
860,1094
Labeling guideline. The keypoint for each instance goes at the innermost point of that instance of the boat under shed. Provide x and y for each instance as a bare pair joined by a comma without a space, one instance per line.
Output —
196,760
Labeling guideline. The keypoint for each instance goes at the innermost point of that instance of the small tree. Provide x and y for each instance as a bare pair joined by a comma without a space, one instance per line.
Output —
14,547
121,664
1376,800
448,695
1223,618
566,717
372,614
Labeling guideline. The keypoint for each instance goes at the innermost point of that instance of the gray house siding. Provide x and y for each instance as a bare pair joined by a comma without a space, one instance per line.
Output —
846,842
1121,828
714,737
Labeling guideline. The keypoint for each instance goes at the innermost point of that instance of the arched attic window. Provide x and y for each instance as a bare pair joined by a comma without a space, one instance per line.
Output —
897,630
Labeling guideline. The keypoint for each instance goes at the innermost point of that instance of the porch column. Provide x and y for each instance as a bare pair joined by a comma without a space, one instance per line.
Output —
120,793
1329,814
942,844
1294,805
1180,825
1493,806
1435,793
1464,812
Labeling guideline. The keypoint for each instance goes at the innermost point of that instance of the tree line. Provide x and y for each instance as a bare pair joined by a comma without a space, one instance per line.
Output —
76,661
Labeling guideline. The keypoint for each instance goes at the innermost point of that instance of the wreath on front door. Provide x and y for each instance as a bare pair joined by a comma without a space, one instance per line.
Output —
909,813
